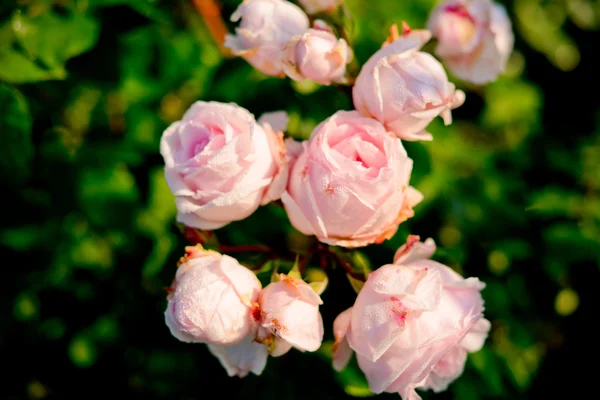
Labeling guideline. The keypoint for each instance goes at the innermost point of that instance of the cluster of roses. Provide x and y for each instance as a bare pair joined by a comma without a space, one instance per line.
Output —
414,320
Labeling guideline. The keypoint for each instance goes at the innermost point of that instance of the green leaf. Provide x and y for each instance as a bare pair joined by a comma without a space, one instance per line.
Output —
351,378
108,194
18,68
55,39
16,147
36,49
317,279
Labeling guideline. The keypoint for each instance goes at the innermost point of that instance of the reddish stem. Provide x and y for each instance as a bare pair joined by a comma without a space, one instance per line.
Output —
245,248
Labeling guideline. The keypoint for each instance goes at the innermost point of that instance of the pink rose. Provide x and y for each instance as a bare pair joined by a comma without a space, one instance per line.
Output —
317,6
266,27
405,89
475,38
412,323
317,55
349,183
211,299
221,164
241,358
289,316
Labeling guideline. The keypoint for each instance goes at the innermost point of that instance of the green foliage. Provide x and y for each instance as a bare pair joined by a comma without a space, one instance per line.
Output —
89,239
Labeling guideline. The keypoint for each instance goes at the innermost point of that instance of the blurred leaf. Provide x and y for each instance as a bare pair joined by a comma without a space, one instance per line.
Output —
105,329
350,378
82,352
26,307
144,7
16,147
108,194
567,301
162,247
356,284
555,201
353,380
17,68
47,41
317,279
24,237
487,365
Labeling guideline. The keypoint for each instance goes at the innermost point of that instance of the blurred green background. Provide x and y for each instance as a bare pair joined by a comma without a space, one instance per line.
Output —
88,238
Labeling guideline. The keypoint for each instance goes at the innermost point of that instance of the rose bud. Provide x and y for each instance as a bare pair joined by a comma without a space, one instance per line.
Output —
349,184
413,322
290,317
241,358
404,88
221,164
265,28
211,299
320,6
475,38
317,55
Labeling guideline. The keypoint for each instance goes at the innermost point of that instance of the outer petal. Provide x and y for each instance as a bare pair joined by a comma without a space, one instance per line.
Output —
296,215
446,371
341,351
427,357
475,339
242,358
414,250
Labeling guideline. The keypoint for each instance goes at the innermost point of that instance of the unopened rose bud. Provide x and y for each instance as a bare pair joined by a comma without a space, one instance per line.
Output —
265,28
404,88
320,6
475,38
317,55
290,316
211,299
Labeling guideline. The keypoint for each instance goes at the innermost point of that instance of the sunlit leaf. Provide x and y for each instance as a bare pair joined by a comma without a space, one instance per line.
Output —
16,147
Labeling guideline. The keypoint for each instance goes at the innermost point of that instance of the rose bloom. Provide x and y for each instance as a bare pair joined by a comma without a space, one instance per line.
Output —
349,182
475,38
221,164
265,28
404,88
412,324
317,55
211,299
317,6
289,316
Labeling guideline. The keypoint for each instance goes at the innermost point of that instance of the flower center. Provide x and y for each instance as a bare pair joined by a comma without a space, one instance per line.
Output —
461,25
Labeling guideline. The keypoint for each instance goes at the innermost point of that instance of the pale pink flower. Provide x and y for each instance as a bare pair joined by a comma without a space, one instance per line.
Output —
412,324
404,88
289,316
211,299
319,6
241,358
475,38
265,28
221,164
317,55
349,183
